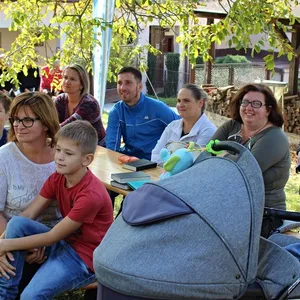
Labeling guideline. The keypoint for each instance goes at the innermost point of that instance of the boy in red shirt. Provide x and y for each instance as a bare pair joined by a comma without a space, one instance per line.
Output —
87,214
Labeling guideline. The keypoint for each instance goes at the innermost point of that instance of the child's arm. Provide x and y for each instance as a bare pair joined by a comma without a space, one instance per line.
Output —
36,207
57,233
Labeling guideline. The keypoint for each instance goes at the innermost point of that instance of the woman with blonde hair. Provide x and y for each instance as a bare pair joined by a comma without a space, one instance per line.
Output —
76,103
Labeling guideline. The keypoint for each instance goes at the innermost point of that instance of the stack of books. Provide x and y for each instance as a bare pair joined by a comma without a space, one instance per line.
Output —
123,180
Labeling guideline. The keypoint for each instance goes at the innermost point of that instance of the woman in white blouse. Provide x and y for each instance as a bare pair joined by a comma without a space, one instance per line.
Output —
194,125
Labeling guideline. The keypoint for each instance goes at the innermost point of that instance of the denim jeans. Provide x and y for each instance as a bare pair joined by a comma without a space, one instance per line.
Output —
62,271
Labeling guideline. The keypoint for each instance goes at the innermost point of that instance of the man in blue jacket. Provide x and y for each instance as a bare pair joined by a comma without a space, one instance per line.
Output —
138,119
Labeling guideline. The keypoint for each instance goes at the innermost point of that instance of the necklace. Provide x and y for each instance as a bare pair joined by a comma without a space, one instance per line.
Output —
247,137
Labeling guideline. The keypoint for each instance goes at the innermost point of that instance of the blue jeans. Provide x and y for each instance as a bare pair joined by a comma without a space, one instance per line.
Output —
62,271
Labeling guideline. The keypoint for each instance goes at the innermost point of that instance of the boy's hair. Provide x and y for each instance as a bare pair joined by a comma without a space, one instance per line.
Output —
82,133
6,102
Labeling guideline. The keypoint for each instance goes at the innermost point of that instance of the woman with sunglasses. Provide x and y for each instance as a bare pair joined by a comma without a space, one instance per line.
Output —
256,123
27,161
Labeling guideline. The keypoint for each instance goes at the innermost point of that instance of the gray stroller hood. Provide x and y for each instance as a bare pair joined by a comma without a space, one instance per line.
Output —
190,236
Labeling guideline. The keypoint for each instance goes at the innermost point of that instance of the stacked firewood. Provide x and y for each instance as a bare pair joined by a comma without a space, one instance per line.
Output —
219,100
292,114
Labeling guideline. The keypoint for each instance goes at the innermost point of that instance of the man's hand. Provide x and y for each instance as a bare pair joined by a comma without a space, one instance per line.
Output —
36,255
5,267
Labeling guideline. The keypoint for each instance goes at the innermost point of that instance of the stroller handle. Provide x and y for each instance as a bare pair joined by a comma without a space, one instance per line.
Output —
283,214
234,147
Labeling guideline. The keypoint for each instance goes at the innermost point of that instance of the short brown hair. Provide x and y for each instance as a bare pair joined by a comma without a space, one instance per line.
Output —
275,115
6,102
82,133
44,109
134,71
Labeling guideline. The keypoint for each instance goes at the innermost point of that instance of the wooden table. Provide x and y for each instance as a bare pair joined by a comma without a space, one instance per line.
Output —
106,163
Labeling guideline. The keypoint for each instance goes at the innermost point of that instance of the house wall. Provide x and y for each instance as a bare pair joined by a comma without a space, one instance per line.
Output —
4,23
7,38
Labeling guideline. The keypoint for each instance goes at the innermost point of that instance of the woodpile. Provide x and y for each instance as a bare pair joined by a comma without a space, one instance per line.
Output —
292,114
219,100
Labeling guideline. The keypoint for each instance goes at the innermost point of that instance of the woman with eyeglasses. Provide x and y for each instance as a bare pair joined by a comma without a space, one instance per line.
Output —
256,123
75,103
27,161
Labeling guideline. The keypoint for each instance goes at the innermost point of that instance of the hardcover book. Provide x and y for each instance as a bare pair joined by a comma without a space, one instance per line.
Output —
141,164
129,176
123,186
136,184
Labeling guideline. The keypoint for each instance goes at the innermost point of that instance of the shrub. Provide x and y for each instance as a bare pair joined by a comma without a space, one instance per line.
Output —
172,64
151,73
199,60
232,59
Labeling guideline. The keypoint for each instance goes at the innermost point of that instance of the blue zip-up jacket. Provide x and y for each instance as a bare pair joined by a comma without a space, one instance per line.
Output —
140,126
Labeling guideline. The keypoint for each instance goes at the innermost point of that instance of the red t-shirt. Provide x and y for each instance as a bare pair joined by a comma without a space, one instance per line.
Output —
87,202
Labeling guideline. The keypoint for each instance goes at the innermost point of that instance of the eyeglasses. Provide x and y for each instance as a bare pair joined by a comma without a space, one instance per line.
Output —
27,122
254,104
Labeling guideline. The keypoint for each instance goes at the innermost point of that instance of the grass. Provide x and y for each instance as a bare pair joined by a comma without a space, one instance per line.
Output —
105,119
169,101
292,188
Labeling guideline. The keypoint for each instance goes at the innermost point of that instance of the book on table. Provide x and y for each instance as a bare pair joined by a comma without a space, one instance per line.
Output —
136,184
130,176
123,186
141,164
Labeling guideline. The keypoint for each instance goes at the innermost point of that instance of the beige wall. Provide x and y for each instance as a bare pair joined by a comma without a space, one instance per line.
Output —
7,38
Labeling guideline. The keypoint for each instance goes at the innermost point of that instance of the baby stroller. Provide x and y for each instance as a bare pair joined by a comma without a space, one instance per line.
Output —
196,235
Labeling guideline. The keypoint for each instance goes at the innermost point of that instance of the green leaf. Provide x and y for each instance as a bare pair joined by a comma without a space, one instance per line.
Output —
257,28
257,48
235,40
290,56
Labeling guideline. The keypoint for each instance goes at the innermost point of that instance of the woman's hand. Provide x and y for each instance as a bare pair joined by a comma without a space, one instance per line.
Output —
5,267
36,255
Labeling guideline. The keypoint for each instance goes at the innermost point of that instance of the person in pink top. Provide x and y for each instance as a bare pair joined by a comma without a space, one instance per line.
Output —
87,214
